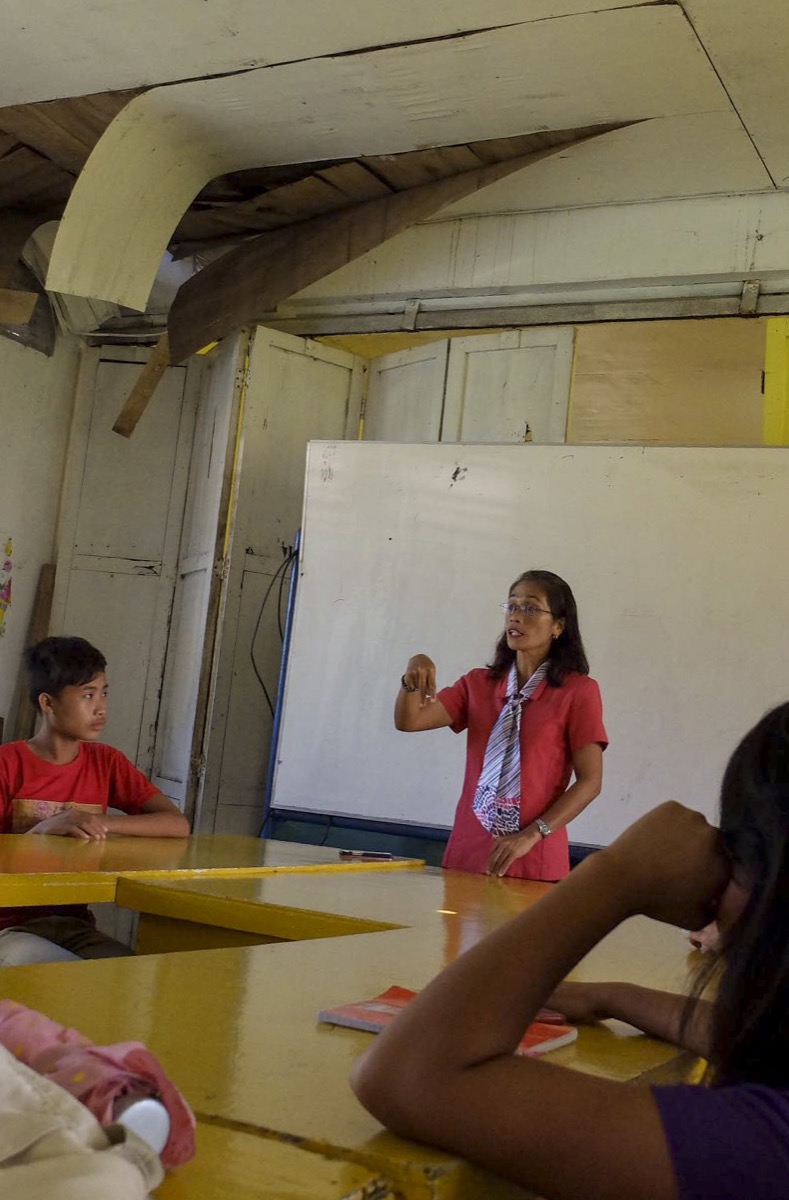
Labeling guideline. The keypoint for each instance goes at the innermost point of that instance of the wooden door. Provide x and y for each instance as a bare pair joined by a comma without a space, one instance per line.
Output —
405,394
508,387
201,566
120,530
297,390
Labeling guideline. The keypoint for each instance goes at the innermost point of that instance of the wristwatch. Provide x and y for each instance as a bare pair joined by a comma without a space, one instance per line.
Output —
543,827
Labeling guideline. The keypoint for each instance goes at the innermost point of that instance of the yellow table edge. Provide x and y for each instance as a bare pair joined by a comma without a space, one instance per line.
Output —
99,887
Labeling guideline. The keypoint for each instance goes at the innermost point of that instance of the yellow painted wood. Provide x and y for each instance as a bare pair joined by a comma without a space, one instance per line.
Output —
237,1029
304,907
57,870
252,1167
776,382
164,935
164,907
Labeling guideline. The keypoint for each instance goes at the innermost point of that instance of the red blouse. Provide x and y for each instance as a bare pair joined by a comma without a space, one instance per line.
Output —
555,722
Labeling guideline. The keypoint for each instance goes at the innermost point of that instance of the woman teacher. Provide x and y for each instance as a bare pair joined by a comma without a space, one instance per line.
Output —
534,719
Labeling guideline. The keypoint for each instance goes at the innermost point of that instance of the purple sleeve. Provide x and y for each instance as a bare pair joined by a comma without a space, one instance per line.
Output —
729,1142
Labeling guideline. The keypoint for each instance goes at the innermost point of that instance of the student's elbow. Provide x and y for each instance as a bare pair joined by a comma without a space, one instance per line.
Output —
180,826
387,1090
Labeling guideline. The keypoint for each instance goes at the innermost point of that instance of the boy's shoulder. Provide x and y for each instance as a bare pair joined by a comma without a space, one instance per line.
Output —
13,751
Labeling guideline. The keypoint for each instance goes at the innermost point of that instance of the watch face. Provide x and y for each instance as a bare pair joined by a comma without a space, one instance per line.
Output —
543,827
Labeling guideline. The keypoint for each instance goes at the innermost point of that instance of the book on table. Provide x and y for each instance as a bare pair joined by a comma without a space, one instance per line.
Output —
548,1033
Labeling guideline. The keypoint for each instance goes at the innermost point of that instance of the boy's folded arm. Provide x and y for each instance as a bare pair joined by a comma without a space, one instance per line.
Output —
159,818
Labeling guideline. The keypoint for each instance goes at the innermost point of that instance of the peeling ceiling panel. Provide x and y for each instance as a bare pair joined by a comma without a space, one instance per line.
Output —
620,65
697,155
56,48
749,43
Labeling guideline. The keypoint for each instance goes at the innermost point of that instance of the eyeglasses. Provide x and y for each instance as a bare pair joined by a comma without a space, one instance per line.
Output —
526,610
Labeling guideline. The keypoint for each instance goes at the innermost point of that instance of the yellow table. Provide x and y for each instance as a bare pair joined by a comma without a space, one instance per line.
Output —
236,1028
39,869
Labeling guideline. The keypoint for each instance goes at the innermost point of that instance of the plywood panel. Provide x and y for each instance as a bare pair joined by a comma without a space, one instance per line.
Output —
695,154
670,382
104,46
589,69
749,43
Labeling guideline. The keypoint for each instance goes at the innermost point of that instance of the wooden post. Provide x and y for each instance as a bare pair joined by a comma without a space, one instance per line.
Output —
144,388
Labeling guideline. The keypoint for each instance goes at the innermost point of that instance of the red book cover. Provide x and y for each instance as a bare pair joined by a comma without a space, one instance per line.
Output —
373,1015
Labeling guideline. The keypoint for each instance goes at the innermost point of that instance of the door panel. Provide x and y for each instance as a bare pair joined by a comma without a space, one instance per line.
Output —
298,390
508,387
213,441
405,395
118,540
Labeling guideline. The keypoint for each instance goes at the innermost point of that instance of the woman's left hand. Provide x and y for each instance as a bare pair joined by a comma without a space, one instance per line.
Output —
507,849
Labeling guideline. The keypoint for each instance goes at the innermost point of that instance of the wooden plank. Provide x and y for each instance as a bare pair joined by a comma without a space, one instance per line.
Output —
254,278
15,229
22,722
355,181
146,385
16,307
402,171
35,126
64,131
7,142
26,176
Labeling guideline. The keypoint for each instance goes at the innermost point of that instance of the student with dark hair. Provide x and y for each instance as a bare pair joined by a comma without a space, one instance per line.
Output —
534,718
62,782
445,1072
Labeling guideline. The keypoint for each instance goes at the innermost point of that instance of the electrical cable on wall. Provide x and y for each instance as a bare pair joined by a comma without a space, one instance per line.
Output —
279,574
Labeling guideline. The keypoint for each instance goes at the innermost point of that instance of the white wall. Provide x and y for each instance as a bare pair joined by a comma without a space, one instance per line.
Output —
36,401
698,246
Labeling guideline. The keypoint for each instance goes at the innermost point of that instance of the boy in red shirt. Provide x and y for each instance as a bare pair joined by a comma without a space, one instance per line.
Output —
62,782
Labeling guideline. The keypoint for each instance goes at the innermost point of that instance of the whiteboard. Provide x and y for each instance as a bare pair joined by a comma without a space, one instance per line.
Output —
679,561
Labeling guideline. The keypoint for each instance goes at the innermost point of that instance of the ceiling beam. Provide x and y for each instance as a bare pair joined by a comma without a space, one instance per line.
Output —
253,278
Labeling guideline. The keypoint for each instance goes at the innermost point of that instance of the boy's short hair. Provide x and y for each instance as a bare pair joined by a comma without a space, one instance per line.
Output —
60,662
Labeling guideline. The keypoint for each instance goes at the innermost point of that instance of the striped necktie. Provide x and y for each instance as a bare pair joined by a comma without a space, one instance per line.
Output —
497,799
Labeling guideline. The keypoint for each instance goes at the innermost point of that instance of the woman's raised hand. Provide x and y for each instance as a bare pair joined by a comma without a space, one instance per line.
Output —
672,866
421,674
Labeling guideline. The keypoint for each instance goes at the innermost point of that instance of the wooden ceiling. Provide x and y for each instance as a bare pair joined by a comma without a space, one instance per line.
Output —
43,147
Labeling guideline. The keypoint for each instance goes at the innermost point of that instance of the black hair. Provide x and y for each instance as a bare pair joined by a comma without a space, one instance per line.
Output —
750,1014
567,655
60,662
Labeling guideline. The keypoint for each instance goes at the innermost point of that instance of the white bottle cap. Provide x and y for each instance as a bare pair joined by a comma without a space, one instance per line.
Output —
148,1118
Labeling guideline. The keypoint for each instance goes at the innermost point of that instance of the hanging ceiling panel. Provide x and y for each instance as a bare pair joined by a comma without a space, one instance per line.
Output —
165,145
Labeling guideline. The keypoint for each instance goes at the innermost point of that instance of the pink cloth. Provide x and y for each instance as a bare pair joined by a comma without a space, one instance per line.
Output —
98,1076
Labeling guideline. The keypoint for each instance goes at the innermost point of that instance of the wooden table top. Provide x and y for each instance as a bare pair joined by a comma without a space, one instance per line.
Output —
42,869
237,1028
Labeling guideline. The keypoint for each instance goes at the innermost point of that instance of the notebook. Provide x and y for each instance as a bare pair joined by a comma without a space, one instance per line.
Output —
373,1015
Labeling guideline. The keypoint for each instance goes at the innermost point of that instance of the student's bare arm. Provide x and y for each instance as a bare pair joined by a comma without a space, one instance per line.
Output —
419,710
159,818
660,1014
445,1071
